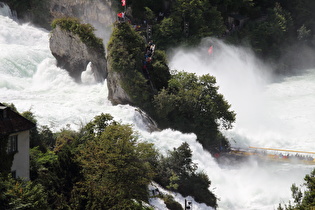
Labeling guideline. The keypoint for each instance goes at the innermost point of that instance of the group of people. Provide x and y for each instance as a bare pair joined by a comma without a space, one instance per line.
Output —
295,156
149,51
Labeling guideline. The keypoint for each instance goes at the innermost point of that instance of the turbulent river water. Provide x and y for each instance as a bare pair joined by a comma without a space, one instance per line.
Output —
270,113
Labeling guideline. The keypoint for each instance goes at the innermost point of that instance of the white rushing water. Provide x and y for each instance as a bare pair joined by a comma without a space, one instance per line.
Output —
271,114
268,114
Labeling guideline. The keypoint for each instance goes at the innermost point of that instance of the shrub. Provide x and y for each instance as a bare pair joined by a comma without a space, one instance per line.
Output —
171,203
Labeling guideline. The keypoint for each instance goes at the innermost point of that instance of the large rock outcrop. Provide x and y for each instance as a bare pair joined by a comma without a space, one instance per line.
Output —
116,94
73,55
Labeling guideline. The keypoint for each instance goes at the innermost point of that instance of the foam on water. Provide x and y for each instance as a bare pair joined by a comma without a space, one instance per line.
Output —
269,114
87,77
30,79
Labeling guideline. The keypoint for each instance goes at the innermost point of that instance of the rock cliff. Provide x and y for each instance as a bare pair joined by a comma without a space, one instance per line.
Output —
100,14
116,94
74,56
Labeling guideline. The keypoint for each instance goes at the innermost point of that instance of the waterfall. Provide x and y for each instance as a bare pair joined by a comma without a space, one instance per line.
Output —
6,11
269,113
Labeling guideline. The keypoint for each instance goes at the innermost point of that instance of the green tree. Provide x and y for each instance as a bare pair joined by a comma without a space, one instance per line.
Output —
301,12
64,138
179,173
97,126
173,185
171,203
116,168
138,7
275,30
197,185
203,19
35,140
47,137
193,104
19,194
180,160
303,200
58,171
40,162
303,33
160,73
149,15
168,30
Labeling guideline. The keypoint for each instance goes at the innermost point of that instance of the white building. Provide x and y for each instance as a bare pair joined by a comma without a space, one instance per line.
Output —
16,129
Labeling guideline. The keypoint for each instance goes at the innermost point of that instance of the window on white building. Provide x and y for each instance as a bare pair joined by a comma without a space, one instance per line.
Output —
13,144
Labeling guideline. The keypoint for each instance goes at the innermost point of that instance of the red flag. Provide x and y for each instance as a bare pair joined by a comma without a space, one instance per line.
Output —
123,3
210,50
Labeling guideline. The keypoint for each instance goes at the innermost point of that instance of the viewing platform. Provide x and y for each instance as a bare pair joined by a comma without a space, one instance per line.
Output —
271,154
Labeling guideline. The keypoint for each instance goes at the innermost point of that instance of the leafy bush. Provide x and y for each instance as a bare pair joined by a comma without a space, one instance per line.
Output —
171,203
160,73
19,194
302,200
177,171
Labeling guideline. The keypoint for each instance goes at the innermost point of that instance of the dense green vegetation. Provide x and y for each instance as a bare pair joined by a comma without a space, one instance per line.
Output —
115,166
280,32
83,30
20,194
177,171
193,104
202,17
302,200
126,50
181,101
102,166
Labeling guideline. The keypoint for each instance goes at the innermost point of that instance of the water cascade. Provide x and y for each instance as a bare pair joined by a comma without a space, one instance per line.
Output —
267,112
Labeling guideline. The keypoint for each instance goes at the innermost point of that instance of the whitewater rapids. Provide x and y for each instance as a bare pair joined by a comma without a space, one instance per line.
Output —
277,114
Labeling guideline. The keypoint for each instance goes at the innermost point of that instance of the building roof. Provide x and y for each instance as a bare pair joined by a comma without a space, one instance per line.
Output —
12,122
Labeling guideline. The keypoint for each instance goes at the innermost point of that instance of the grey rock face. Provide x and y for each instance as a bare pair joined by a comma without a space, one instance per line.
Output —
116,94
101,16
73,55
